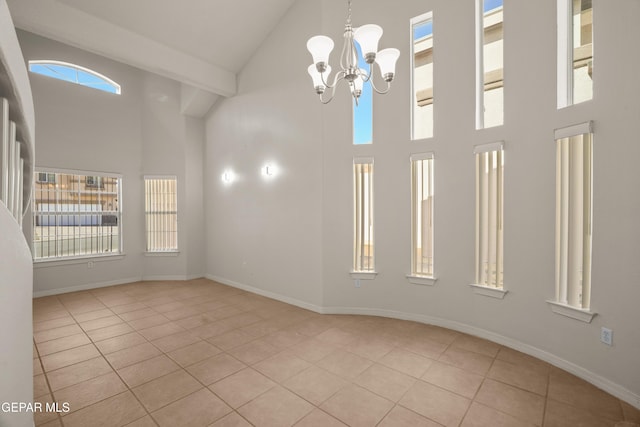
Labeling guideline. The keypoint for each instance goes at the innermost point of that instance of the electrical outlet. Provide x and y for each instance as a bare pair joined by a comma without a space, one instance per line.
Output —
606,336
357,283
90,264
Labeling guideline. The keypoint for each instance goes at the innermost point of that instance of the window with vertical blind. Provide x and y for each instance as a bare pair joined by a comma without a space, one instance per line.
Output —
422,215
161,213
363,238
422,76
575,52
489,64
489,210
76,214
573,215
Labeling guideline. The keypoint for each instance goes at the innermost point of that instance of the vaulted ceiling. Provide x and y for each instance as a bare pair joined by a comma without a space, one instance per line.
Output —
203,43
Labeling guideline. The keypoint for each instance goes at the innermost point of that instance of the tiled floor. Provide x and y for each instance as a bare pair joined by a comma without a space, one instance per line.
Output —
202,354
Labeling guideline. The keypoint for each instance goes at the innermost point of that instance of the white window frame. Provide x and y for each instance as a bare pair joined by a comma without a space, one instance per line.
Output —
425,17
117,212
163,243
363,218
574,219
117,89
489,227
418,275
480,73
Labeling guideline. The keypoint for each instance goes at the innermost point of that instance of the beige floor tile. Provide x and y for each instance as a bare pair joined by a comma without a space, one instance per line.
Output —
313,350
435,333
483,416
78,373
52,334
40,387
318,418
425,347
231,420
231,339
435,403
519,376
180,313
164,390
150,369
467,360
91,391
242,319
566,388
69,357
121,342
128,356
54,323
109,332
285,339
176,341
282,366
141,313
43,417
147,322
208,330
476,345
275,408
54,423
170,306
194,353
337,337
385,382
356,406
241,387
160,331
344,364
126,308
253,351
630,413
372,349
198,320
523,405
114,411
60,344
407,362
146,421
402,417
524,360
453,379
260,329
562,415
215,368
315,385
92,315
198,409
37,366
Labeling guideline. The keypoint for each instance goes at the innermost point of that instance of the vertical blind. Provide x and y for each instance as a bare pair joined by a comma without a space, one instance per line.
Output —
422,214
573,218
11,165
161,213
363,259
489,209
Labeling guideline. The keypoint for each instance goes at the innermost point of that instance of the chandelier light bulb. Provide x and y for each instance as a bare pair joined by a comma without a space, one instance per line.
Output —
318,84
368,37
386,60
320,47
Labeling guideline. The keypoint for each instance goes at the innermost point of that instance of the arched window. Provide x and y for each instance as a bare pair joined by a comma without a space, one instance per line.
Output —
74,74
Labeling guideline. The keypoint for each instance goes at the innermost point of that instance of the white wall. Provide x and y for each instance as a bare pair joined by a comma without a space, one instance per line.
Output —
292,237
139,132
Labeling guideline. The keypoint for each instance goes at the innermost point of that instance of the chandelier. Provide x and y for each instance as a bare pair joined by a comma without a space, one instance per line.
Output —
367,37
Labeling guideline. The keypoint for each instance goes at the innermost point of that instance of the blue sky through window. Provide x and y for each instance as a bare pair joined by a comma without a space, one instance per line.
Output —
363,113
74,74
492,4
423,29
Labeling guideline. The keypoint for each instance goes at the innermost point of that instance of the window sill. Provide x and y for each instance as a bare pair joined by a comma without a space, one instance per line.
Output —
421,280
573,312
488,291
44,263
364,275
162,254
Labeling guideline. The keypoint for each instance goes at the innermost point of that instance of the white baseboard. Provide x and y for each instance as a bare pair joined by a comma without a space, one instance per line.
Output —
172,277
609,386
57,291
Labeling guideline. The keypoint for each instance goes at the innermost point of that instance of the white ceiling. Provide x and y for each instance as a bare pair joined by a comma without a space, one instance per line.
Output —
204,43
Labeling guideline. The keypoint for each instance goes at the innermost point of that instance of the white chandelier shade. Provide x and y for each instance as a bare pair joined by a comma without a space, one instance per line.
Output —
367,37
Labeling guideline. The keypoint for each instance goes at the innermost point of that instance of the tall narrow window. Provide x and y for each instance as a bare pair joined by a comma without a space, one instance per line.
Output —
489,208
363,109
73,217
422,215
363,243
575,52
161,212
422,76
573,215
489,64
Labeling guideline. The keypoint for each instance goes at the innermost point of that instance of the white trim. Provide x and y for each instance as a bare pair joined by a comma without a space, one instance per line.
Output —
160,177
162,254
176,277
603,383
78,172
420,19
479,76
363,160
564,53
574,130
57,262
421,280
581,314
421,156
488,291
364,275
57,291
487,148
